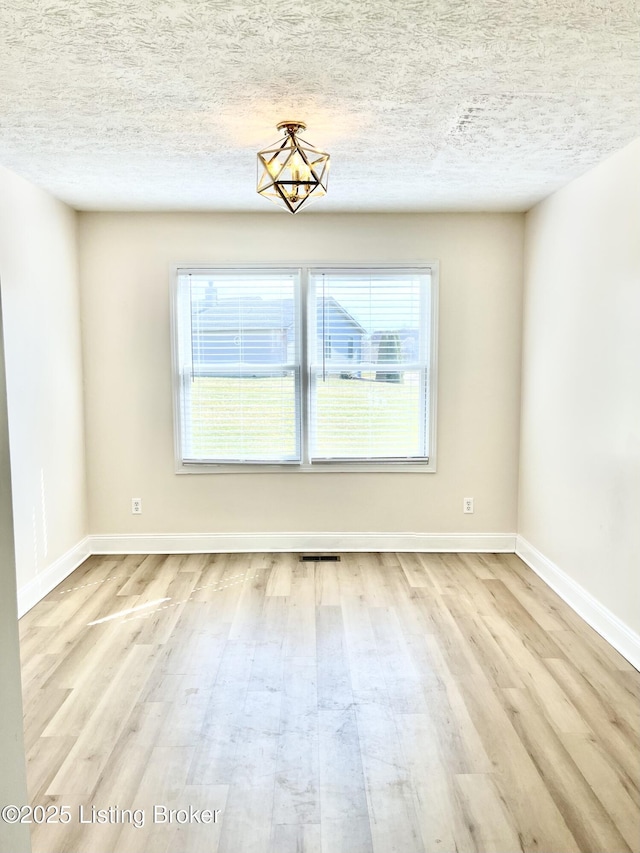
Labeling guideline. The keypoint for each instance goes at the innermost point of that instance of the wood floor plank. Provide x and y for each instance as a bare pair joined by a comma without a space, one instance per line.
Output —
296,838
144,576
404,686
77,611
545,609
440,819
480,567
569,789
215,758
392,817
297,783
415,572
87,679
118,782
38,716
327,584
568,618
344,822
607,723
334,680
267,672
532,668
43,759
350,575
201,837
606,680
36,665
250,604
368,682
607,783
210,578
482,644
222,586
445,572
187,713
79,663
452,730
163,784
511,611
490,825
280,575
158,622
300,637
374,591
396,703
433,567
540,823
249,807
82,766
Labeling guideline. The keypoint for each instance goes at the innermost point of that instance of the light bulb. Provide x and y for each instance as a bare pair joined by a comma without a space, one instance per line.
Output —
300,171
273,167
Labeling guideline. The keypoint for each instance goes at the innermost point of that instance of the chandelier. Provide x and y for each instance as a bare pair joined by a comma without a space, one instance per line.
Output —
292,172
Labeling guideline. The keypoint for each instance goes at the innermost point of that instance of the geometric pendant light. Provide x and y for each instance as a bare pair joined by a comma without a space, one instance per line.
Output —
292,172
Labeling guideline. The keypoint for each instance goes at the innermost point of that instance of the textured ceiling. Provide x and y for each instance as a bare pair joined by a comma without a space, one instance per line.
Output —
423,104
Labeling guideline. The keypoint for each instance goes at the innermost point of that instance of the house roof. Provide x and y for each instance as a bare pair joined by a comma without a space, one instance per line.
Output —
251,313
256,313
336,306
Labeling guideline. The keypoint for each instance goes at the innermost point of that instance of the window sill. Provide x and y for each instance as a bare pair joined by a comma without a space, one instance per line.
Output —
317,468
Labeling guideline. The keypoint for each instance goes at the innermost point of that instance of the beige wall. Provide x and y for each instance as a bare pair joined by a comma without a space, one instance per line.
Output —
38,266
579,501
125,264
13,787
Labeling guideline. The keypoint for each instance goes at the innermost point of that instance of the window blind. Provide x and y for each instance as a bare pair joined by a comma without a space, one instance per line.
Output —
368,365
239,366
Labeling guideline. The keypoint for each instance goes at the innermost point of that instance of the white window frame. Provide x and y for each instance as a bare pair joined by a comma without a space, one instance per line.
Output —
305,466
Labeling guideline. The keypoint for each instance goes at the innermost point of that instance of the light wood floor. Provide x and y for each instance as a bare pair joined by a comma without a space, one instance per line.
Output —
388,702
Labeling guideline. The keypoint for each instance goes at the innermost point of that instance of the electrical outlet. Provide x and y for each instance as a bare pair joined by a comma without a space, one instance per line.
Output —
136,506
467,505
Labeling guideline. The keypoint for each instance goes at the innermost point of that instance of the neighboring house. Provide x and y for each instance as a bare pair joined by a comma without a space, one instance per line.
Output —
256,331
343,336
241,331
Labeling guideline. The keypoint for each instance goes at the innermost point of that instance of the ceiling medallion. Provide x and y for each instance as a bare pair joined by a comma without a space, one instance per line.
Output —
292,172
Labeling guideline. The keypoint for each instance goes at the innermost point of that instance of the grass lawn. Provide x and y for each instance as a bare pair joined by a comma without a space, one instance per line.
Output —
249,417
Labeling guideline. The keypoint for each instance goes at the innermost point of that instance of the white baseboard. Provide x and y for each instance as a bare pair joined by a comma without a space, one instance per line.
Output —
34,591
595,614
211,543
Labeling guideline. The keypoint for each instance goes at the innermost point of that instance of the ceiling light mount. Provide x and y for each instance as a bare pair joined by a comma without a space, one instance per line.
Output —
291,171
292,127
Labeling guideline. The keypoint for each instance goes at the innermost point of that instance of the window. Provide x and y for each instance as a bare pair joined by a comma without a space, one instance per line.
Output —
308,369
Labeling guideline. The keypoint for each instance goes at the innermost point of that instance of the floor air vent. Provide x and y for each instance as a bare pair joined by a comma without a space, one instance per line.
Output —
319,558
